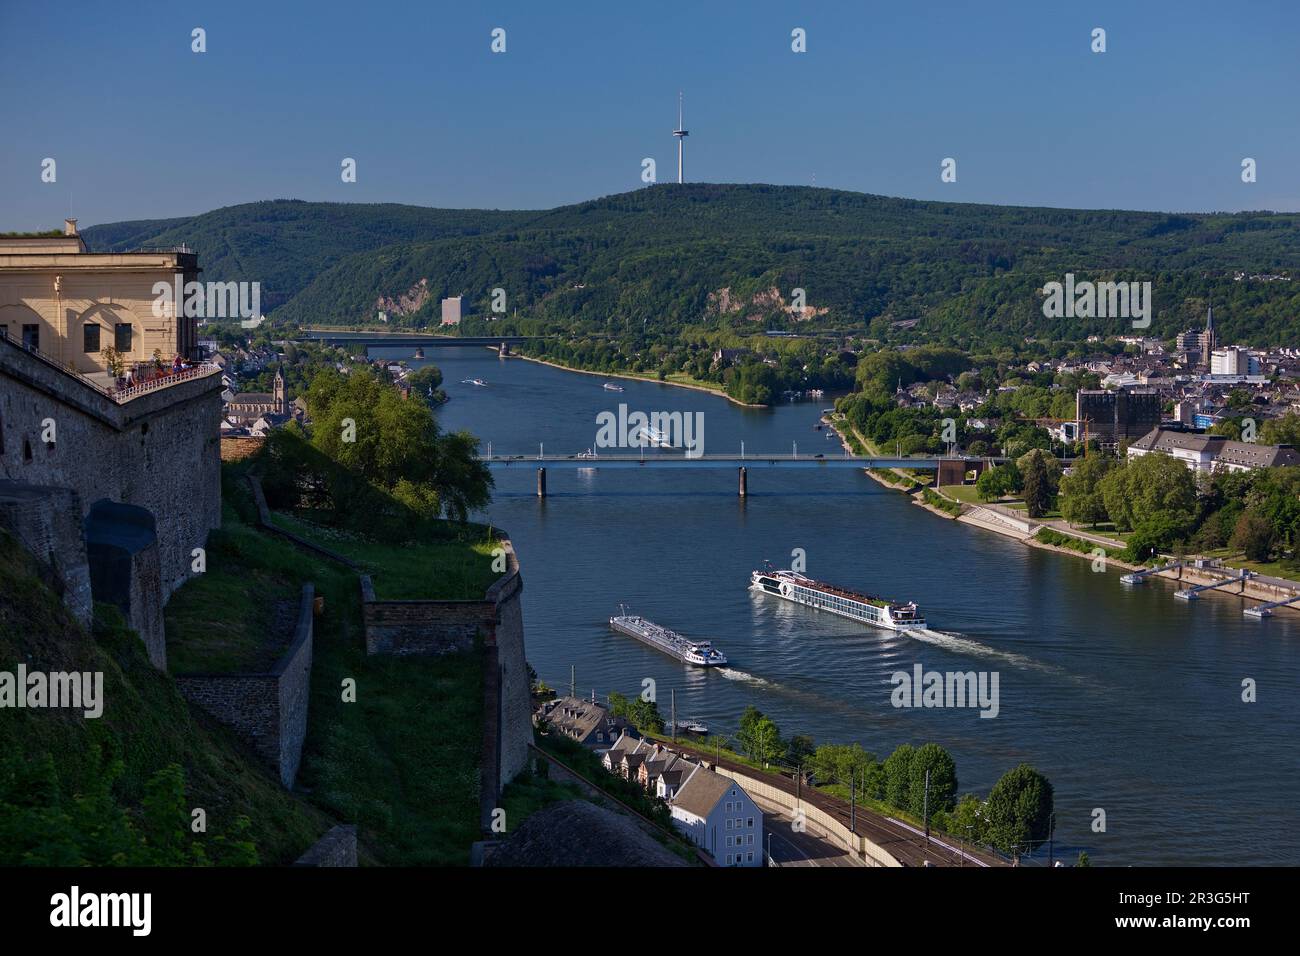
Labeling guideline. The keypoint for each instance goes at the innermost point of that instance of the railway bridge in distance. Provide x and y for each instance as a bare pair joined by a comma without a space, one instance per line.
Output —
949,470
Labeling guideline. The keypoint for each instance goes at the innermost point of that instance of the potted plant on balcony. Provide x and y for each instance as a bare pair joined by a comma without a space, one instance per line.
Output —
113,361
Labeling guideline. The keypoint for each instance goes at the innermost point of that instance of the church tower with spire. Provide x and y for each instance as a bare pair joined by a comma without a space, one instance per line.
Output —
277,392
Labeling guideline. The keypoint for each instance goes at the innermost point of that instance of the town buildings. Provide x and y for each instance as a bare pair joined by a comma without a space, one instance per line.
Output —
1118,415
245,408
711,810
585,721
1233,361
1197,347
1212,453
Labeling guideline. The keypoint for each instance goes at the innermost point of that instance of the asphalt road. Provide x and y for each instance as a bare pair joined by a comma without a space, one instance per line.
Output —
902,841
808,848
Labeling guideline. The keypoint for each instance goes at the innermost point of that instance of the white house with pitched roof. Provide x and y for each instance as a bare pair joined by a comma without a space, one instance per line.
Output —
715,813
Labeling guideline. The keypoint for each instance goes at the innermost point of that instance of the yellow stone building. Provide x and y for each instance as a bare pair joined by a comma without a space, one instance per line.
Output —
70,304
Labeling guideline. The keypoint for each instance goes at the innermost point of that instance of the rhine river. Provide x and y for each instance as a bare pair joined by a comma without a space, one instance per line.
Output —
1129,701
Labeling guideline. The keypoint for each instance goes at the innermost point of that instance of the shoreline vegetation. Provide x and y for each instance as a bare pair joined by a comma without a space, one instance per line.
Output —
1045,538
694,384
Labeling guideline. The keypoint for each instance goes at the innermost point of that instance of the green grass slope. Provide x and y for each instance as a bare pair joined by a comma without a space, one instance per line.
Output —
77,791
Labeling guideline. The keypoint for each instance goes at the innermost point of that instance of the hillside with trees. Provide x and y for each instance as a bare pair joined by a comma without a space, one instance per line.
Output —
645,266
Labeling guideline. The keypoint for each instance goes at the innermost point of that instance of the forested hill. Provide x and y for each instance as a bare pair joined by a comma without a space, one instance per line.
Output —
285,243
669,255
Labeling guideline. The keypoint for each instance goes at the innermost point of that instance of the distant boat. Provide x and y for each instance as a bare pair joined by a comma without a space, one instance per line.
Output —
650,435
611,387
693,725
586,454
474,381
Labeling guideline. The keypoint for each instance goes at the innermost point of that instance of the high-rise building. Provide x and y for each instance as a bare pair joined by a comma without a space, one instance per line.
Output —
1120,415
1233,361
451,310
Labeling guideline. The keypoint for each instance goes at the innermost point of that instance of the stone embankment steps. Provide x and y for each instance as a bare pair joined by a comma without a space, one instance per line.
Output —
1000,522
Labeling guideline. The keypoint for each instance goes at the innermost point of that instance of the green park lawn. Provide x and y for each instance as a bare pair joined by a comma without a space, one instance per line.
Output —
967,494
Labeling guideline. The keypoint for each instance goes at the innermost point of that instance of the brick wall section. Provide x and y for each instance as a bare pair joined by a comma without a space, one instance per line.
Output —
338,847
239,447
47,522
267,710
159,451
424,628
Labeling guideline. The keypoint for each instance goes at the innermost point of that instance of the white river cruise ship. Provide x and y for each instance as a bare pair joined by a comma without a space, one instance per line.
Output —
801,589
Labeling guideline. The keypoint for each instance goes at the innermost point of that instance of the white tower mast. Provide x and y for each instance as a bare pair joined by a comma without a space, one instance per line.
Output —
681,135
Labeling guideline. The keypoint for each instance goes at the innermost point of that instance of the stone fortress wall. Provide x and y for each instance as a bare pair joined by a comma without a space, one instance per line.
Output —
269,710
159,451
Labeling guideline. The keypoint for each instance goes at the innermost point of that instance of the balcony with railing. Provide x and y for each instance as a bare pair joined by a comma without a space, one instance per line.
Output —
144,377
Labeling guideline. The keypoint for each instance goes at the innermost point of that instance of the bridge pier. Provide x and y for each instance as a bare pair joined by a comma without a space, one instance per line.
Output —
541,482
744,482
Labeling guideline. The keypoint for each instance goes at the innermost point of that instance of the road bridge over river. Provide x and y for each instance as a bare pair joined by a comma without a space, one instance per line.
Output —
950,470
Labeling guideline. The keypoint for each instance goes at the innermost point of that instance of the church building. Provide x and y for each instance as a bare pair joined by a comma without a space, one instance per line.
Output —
247,407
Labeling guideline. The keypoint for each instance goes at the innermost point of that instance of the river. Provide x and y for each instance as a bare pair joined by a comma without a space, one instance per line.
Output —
1128,701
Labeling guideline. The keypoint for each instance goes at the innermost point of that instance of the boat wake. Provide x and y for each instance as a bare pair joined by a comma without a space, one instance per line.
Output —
960,644
730,673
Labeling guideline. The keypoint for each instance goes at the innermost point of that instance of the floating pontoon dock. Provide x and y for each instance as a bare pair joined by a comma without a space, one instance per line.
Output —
1137,577
1194,592
1261,611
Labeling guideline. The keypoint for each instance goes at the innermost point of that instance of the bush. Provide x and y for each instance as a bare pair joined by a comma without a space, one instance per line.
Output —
936,500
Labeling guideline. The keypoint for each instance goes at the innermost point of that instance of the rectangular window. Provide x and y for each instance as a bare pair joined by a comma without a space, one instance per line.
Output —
32,337
90,338
122,337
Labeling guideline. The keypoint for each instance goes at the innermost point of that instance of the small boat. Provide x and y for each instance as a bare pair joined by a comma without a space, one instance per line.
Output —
649,435
611,387
474,381
586,454
693,725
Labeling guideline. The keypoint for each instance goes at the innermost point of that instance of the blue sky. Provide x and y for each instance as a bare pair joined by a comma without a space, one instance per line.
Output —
141,127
